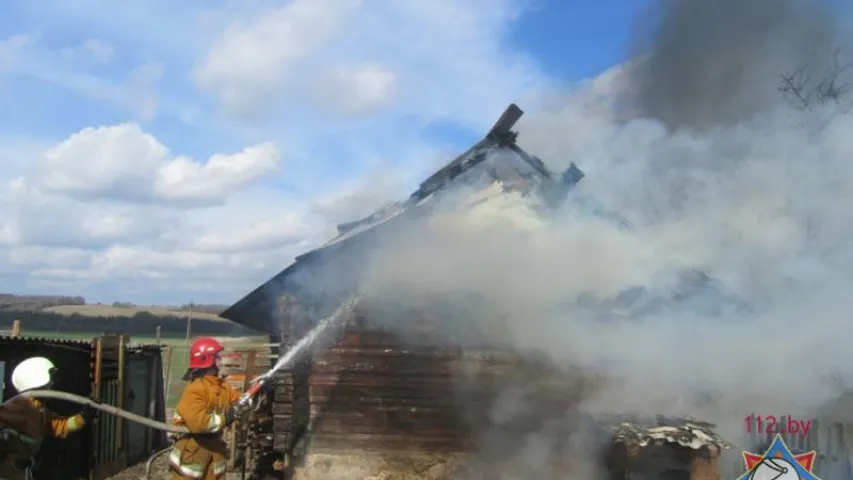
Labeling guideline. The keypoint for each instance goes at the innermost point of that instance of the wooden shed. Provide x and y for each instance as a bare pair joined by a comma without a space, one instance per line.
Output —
109,369
369,390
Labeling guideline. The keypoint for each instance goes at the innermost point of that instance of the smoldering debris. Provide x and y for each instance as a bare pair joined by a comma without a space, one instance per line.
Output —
773,235
680,431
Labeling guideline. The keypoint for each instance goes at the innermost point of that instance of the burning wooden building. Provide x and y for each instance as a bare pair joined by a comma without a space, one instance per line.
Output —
371,389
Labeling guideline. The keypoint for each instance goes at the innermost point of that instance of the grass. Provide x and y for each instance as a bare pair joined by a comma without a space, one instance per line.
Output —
179,355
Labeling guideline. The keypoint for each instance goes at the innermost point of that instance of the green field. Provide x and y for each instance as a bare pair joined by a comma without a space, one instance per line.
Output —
179,355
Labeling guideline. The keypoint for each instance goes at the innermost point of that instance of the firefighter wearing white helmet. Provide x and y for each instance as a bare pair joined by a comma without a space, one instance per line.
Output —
25,422
32,373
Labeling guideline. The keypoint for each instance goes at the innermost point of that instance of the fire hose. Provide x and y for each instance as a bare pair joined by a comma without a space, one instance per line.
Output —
70,397
242,404
303,343
151,460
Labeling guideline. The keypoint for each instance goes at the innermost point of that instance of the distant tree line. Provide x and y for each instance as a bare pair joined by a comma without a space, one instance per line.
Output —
37,302
141,324
201,307
212,308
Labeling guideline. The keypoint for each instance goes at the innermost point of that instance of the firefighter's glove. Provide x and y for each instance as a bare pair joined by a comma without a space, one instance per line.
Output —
231,414
87,413
22,464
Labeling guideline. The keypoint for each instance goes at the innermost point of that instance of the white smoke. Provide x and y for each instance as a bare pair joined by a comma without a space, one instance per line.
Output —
761,206
757,197
724,177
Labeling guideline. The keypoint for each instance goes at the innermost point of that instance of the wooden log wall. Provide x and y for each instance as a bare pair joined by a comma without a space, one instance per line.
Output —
369,392
289,407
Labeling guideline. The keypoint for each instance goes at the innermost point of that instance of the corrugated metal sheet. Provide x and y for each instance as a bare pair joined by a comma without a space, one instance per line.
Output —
39,341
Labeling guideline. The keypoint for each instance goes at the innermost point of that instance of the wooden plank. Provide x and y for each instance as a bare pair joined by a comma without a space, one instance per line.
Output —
370,387
434,425
321,443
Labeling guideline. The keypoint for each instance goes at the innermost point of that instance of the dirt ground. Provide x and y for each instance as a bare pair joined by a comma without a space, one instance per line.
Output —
376,467
159,471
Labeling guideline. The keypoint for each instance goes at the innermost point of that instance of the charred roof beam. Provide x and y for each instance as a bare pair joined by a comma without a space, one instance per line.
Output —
500,136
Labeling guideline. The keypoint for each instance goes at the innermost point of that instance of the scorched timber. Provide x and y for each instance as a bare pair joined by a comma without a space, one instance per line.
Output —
371,392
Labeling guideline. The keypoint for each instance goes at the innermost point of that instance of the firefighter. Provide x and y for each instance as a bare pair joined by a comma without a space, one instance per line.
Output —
206,407
24,422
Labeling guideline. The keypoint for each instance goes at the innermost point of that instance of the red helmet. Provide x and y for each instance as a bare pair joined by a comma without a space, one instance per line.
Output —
203,353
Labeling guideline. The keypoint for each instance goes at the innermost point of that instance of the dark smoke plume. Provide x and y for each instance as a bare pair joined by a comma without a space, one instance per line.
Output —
701,64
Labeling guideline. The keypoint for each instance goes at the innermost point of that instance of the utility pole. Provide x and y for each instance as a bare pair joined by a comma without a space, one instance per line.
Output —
189,329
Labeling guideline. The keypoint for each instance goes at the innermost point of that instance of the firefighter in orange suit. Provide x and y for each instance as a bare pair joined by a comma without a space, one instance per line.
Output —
25,422
206,407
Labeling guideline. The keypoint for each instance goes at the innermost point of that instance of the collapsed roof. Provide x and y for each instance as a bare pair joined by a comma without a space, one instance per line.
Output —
495,160
493,166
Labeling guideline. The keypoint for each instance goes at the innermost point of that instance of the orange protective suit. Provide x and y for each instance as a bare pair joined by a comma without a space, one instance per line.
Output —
23,425
201,409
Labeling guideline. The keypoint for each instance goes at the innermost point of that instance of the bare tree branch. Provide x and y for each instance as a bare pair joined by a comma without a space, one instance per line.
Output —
800,91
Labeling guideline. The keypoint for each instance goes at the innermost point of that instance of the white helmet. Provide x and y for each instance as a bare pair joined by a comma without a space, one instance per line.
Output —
32,373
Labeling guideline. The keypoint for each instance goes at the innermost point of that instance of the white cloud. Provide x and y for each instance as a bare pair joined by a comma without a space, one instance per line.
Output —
250,61
356,90
93,51
342,88
109,204
37,218
434,59
71,67
183,178
124,163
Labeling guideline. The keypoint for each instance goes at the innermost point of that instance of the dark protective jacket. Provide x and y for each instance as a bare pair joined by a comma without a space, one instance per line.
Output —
24,423
201,409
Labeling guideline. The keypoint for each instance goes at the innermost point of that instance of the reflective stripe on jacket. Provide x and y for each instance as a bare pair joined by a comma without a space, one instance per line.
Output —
202,410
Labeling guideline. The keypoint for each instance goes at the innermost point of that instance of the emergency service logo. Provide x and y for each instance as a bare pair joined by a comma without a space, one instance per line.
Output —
778,463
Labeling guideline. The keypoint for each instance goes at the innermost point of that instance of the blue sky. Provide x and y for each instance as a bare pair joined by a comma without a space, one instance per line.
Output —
155,151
